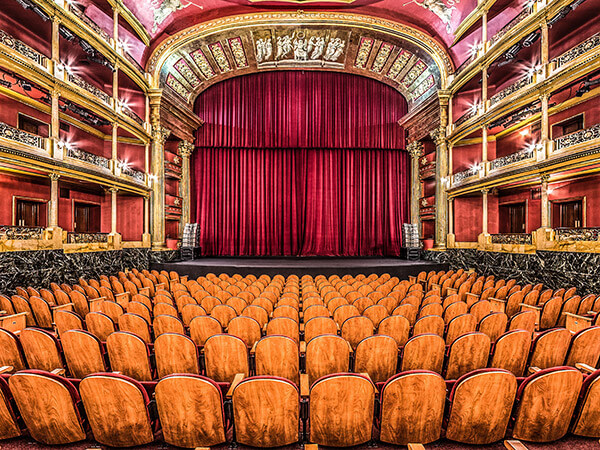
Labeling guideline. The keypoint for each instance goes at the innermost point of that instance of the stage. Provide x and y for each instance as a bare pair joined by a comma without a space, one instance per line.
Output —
300,266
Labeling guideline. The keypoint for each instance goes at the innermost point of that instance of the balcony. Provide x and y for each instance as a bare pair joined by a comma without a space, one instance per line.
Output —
512,238
86,238
472,172
128,112
510,25
90,158
23,49
16,135
21,233
137,175
517,86
576,52
80,82
514,158
579,137
172,170
566,235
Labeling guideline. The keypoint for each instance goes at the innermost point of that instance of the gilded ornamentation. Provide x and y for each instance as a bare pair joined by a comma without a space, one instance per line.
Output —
496,98
317,44
364,50
440,9
577,234
203,64
80,82
578,50
513,158
174,84
465,174
415,149
22,48
219,54
237,49
510,25
184,69
414,73
86,238
264,50
335,48
21,233
14,134
90,158
185,149
163,9
423,87
127,111
577,138
399,64
160,134
382,56
137,175
89,22
512,238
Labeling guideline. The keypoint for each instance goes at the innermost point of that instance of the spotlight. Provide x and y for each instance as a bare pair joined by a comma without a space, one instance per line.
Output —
584,88
524,132
66,33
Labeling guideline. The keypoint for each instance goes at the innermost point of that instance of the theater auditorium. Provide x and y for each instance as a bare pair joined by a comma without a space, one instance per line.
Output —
300,224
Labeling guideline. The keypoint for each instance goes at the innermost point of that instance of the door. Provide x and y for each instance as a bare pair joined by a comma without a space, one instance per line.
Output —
513,218
571,214
28,213
87,218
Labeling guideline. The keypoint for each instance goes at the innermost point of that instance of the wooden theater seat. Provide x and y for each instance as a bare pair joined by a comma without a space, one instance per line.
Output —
397,327
129,355
468,352
203,327
480,406
83,353
266,412
355,329
11,352
432,324
225,356
424,352
511,351
586,420
584,347
378,356
277,356
325,355
100,325
549,348
9,425
48,406
41,349
175,353
117,410
341,424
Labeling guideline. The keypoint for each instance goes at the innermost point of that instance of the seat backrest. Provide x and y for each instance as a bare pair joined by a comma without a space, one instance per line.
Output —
586,421
468,352
397,327
41,310
284,326
100,325
258,313
494,325
480,406
424,352
545,403
223,313
524,320
459,326
266,411
376,313
511,351
175,353
107,396
134,324
246,328
11,352
203,327
278,356
318,326
167,324
67,320
378,356
404,420
129,355
41,349
585,347
341,424
356,328
47,404
9,427
325,355
225,356
550,348
83,353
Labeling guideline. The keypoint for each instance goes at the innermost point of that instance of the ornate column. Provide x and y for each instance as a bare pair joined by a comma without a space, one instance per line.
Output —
484,211
544,128
451,215
416,152
57,148
159,137
113,209
185,151
545,203
115,150
53,216
55,43
441,174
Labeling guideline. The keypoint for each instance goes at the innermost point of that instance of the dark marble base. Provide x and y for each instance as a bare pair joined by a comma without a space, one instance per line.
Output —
554,269
40,268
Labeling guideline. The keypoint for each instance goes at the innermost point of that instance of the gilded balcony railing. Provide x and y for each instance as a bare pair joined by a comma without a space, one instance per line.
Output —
135,174
513,158
23,49
578,137
80,82
82,155
461,176
512,238
86,238
520,84
21,233
575,52
127,111
510,25
14,134
471,112
577,234
89,22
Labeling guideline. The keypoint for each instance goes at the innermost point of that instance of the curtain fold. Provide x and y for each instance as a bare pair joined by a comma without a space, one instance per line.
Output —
300,164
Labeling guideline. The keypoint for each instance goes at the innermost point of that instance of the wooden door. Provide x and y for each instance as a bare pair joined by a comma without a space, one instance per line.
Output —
569,214
28,213
516,217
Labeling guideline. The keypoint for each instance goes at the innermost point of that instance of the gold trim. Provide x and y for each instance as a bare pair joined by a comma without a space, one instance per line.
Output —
132,20
470,20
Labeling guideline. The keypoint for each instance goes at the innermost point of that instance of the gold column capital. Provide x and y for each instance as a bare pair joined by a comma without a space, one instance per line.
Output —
54,176
485,191
545,178
415,149
113,190
186,149
160,134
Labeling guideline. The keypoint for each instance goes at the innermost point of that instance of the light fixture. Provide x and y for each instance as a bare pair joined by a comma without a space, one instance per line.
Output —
524,132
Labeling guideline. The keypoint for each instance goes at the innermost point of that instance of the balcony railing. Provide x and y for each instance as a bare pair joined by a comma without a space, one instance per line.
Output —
512,238
135,174
510,25
499,96
578,137
461,176
81,155
471,112
513,158
86,238
89,22
80,82
575,52
577,234
14,134
23,49
127,111
21,233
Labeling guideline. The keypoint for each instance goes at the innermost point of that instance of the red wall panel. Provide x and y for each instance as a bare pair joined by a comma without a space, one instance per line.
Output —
467,218
12,186
130,217
588,188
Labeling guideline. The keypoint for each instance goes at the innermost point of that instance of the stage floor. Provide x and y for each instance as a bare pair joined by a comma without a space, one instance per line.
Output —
301,266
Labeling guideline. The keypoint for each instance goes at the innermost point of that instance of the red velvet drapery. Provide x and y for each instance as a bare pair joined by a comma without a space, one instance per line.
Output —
300,163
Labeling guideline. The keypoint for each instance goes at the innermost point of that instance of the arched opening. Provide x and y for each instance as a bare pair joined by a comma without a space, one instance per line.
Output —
300,163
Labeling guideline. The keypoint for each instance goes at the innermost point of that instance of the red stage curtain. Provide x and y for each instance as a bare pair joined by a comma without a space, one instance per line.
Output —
343,192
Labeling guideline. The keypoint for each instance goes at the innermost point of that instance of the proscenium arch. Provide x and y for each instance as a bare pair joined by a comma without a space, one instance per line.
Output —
159,58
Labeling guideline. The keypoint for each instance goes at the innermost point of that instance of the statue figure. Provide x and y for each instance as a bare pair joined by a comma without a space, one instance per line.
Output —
335,47
439,8
163,9
300,49
317,46
284,46
264,49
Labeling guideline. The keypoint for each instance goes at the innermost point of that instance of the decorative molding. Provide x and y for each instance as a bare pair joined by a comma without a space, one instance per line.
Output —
415,149
578,137
518,85
185,149
86,238
577,234
513,158
512,238
575,52
96,92
23,49
161,134
21,233
100,161
14,134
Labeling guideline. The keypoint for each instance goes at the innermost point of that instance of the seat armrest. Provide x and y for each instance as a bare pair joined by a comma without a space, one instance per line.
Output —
575,323
253,349
364,374
6,369
302,327
416,447
58,371
302,347
236,380
514,444
586,368
534,369
66,307
304,386
311,446
497,304
350,348
451,291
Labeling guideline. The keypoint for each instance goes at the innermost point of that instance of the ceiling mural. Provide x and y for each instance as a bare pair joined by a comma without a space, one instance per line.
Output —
195,59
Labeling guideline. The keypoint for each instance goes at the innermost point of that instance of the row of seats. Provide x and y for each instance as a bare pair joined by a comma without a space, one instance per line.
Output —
481,407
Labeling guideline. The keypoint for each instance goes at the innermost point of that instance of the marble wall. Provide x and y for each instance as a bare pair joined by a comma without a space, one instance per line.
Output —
40,268
554,269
